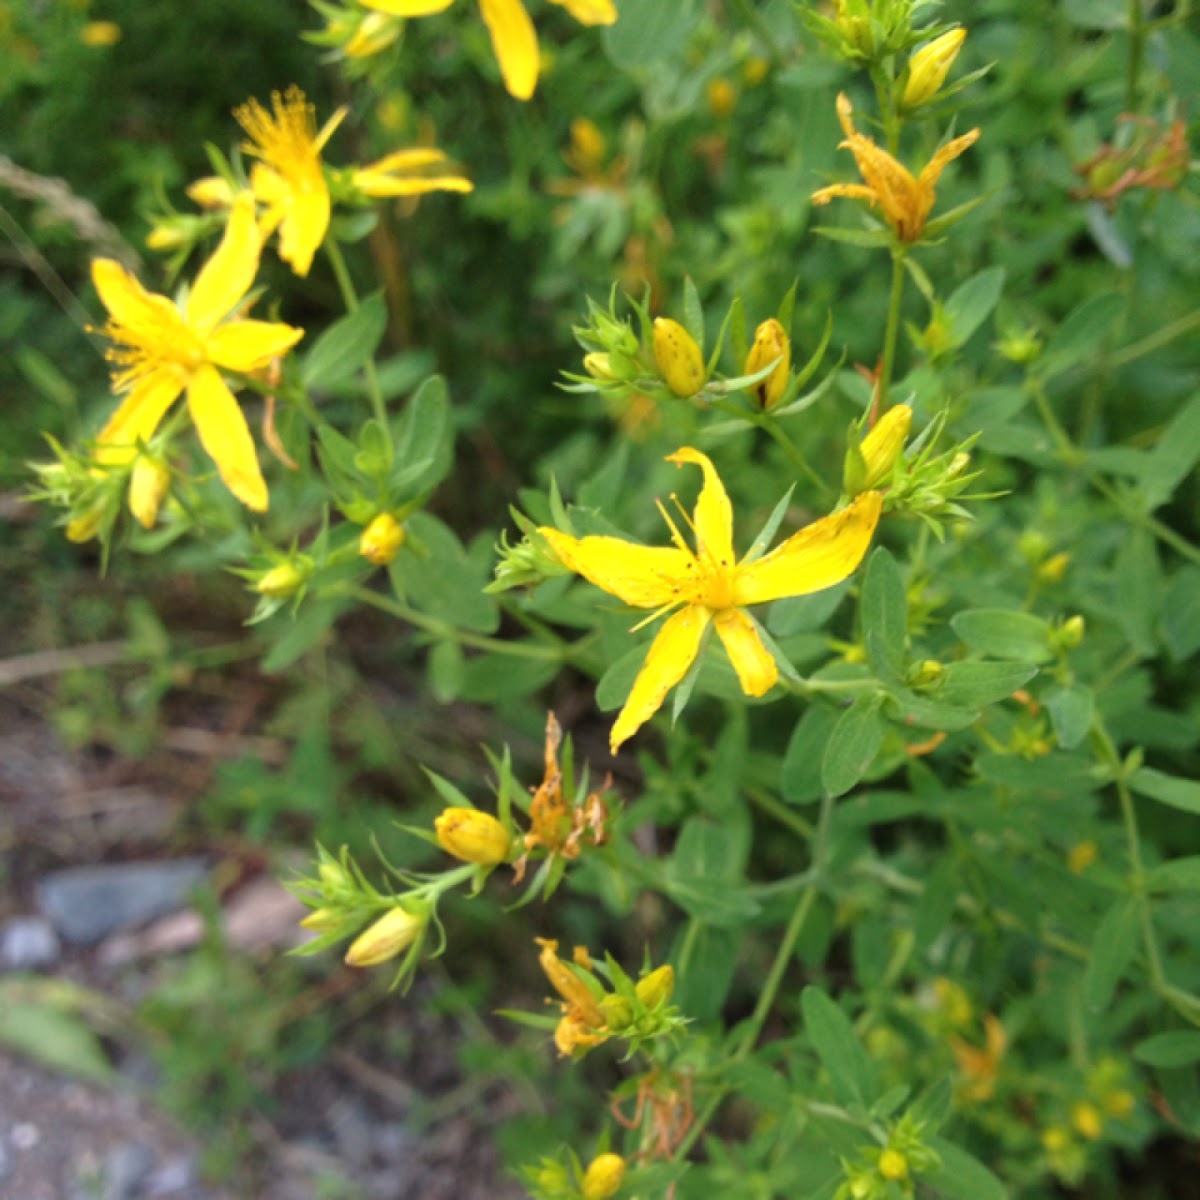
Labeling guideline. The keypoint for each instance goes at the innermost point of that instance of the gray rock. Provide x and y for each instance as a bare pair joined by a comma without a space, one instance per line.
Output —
28,944
127,1168
86,904
176,1177
5,1162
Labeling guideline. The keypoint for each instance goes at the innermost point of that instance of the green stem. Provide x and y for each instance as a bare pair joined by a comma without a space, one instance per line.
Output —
779,965
760,25
891,333
1154,341
887,110
350,299
448,632
1137,46
761,798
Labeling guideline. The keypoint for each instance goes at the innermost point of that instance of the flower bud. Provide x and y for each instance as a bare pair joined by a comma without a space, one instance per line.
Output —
927,671
679,359
893,1165
212,191
1053,569
929,66
395,931
473,836
884,444
656,988
618,1012
1087,1121
148,485
281,581
85,526
1081,856
1071,633
722,99
1119,1103
771,343
381,539
598,365
375,32
603,1177
320,920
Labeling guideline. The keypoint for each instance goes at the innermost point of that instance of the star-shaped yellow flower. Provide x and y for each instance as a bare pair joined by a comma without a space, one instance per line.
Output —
161,349
513,37
289,178
708,587
904,200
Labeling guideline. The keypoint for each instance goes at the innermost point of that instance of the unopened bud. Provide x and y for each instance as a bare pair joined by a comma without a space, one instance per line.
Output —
320,920
1071,633
381,539
881,449
395,931
771,343
1081,856
149,483
375,32
281,581
893,1165
598,365
656,988
1119,1103
679,359
928,671
929,66
722,99
473,836
211,192
85,526
1087,1121
603,1177
618,1012
1053,569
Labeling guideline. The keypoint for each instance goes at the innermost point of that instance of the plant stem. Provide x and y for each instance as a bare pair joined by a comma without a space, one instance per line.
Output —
350,299
892,331
786,444
779,965
1137,45
1154,341
448,632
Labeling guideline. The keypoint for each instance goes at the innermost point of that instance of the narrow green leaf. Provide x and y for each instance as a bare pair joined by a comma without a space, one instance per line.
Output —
1179,875
962,1176
883,612
971,303
832,1036
936,905
979,683
346,345
1004,633
693,312
1112,952
1081,334
1167,789
852,745
649,31
1178,1048
801,776
1181,614
1070,710
1174,456
1139,587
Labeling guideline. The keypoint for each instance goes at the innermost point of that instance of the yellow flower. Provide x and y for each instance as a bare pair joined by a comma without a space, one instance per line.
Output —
1087,1120
396,930
514,40
904,200
603,1177
100,33
893,1165
929,66
161,349
771,345
381,540
709,588
656,988
473,836
289,178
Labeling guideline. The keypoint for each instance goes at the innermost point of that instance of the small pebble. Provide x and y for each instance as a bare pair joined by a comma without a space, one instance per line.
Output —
25,1136
28,944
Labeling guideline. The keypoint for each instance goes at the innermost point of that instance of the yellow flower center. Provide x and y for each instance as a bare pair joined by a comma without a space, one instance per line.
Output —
715,589
285,139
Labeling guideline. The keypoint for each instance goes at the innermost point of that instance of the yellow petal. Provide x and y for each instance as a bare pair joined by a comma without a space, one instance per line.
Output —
130,305
408,8
228,275
671,654
269,187
590,12
515,44
642,576
714,513
373,183
138,416
210,192
947,154
226,437
407,160
248,345
303,228
845,191
756,670
815,558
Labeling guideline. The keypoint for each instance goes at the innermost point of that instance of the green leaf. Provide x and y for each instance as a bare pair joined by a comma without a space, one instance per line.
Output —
1178,1048
346,345
962,1176
693,312
931,1108
800,780
979,683
56,1039
1070,711
796,613
649,31
705,958
423,453
1081,334
1112,952
313,622
1181,614
1174,455
1139,589
852,745
1004,633
972,302
936,906
443,581
445,670
1167,789
1178,875
883,612
832,1036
